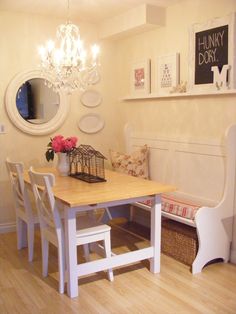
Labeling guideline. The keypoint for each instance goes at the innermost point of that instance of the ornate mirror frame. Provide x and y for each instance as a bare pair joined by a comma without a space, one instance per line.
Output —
15,117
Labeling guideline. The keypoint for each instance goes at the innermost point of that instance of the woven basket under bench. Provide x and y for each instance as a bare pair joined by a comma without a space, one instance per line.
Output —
179,241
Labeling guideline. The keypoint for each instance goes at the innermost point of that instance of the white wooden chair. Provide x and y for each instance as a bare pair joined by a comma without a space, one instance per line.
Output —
26,217
52,229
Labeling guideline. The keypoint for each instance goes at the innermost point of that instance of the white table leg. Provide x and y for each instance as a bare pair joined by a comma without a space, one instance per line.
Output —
71,252
155,262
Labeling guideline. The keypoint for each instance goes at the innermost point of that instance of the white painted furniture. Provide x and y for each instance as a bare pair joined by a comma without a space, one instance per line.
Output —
26,217
52,229
79,196
200,171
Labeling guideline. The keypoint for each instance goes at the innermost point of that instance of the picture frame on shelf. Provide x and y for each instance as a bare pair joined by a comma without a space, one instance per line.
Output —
167,72
212,55
140,78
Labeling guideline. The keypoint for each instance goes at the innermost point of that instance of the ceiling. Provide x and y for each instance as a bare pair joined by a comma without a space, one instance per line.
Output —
92,11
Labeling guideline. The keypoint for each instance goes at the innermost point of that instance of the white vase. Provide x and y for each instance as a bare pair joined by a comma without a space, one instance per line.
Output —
63,165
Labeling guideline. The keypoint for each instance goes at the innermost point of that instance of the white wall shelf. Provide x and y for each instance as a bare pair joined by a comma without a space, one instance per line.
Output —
177,95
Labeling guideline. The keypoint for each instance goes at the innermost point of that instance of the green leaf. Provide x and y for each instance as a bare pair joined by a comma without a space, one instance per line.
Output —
49,154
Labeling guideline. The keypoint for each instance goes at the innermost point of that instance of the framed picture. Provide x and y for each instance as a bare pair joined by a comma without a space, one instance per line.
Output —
212,54
167,73
140,78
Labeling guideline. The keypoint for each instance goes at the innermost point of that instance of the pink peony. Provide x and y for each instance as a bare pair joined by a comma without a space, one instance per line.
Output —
57,144
70,143
74,140
60,144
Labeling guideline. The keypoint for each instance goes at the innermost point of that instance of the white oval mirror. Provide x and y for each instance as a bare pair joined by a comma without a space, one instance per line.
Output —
34,107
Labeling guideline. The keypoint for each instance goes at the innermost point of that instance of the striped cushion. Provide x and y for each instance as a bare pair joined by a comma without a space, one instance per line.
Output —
176,206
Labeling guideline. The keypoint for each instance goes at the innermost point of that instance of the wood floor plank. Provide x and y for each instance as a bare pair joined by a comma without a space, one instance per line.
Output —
134,290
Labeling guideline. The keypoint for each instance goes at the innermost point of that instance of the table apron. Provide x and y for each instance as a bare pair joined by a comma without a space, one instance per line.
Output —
109,204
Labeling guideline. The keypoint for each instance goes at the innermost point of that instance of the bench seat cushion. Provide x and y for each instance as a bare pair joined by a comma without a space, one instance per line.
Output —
177,206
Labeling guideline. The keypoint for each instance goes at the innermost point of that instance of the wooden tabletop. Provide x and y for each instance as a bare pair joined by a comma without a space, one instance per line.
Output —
74,192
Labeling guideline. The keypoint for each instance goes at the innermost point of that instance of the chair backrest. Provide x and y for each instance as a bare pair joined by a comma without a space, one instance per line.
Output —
21,197
42,184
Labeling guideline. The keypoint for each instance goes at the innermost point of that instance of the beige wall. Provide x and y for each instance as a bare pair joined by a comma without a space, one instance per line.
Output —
203,117
20,35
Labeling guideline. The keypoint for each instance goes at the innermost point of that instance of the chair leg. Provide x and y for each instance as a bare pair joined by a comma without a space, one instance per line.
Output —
30,235
107,246
21,233
45,250
131,213
61,267
86,252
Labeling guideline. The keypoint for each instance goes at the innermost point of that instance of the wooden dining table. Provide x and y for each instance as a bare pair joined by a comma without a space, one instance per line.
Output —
119,189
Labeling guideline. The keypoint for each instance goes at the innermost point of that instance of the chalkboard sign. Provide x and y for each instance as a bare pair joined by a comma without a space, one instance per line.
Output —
211,49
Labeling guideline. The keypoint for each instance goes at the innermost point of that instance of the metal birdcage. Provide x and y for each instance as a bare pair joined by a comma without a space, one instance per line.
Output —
87,164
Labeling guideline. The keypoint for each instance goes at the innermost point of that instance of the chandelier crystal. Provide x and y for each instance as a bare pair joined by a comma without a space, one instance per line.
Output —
67,62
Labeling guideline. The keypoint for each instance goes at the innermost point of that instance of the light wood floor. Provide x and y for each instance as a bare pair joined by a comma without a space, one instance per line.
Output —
134,290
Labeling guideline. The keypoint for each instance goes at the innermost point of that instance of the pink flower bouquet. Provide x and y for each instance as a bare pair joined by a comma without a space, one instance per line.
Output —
59,144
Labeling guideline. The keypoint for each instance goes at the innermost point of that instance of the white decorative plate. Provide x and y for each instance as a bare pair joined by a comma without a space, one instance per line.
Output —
91,98
91,123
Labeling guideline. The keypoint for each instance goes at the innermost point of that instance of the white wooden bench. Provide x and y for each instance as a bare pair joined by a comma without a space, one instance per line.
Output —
200,172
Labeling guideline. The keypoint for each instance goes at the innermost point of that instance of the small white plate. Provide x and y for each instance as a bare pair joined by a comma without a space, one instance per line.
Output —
91,123
91,98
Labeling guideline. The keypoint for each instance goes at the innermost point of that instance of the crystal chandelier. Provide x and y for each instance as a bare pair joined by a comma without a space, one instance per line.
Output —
66,61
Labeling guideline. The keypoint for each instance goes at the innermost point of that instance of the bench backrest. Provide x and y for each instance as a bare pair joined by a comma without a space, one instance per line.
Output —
198,168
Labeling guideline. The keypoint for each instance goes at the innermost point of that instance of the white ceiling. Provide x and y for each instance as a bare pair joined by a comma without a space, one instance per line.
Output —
93,11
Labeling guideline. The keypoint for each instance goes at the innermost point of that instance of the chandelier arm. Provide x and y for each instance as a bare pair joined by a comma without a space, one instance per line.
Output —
68,11
67,61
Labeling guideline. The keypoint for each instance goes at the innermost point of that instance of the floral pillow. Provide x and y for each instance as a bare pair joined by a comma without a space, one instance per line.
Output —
134,164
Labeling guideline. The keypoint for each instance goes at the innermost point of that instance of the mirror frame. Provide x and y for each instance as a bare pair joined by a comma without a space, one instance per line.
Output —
16,118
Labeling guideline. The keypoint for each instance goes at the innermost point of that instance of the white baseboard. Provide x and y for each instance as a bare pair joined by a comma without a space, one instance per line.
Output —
233,256
7,227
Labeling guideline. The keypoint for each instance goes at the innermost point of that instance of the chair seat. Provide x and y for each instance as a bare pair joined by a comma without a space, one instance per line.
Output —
92,230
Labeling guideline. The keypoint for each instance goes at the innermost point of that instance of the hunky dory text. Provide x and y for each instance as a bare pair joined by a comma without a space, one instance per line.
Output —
211,49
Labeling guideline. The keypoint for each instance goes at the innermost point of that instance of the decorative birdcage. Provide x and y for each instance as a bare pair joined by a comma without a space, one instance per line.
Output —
87,164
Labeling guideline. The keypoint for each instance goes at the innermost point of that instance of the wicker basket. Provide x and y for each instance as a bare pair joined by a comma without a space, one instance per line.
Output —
179,241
